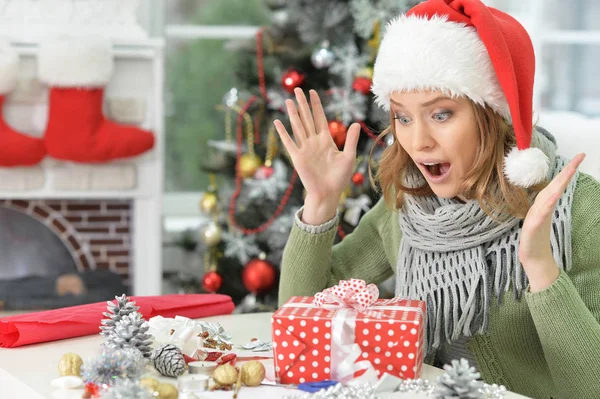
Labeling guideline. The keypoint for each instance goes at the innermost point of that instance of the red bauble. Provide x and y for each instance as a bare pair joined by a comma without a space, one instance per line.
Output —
258,276
338,132
362,84
292,79
264,172
212,281
91,390
358,178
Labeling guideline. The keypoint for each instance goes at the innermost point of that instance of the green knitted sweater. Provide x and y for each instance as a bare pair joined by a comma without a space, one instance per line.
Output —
545,346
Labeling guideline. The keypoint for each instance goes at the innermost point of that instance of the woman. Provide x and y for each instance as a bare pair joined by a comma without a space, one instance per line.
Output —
476,203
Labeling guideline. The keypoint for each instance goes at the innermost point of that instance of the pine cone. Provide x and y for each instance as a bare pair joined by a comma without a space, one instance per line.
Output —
459,381
115,313
168,360
131,332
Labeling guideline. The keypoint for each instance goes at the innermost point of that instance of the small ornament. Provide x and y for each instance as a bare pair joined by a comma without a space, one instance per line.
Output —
209,202
338,132
258,276
366,72
362,85
358,178
131,332
211,234
127,389
211,282
168,360
249,164
322,57
150,383
225,375
292,79
280,18
70,364
459,381
167,391
91,390
253,373
115,313
264,172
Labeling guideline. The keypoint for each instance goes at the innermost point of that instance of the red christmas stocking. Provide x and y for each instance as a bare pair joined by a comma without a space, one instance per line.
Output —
16,149
77,71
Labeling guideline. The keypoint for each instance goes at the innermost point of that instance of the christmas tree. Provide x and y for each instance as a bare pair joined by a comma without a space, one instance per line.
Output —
325,45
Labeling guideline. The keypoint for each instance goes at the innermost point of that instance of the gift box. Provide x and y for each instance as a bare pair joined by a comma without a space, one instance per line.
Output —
338,336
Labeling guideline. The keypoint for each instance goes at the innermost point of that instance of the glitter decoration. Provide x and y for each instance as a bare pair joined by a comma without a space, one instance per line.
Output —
113,364
127,389
341,392
493,391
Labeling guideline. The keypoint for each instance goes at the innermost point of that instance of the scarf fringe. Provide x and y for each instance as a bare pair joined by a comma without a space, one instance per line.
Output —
457,285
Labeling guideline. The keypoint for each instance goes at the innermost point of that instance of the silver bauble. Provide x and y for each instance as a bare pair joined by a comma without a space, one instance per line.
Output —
322,57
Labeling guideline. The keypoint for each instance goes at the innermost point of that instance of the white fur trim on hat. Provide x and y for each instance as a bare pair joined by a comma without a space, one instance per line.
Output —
75,62
9,67
525,168
417,53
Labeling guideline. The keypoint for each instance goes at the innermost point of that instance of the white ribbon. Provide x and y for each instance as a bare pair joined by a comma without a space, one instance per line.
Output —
354,207
345,351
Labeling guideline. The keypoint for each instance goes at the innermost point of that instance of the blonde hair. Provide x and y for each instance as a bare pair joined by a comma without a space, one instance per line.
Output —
485,181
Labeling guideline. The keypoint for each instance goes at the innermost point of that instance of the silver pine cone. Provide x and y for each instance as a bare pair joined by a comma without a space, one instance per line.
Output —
115,313
459,381
131,332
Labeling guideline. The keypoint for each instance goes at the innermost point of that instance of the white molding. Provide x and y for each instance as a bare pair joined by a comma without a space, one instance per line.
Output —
209,31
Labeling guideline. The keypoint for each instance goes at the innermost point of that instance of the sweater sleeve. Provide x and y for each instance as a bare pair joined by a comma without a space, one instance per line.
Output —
567,313
311,262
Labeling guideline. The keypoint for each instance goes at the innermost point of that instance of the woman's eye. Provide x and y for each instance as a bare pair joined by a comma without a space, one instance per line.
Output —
442,116
403,120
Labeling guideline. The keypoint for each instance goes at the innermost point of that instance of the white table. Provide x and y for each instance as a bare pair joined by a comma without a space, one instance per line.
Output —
34,366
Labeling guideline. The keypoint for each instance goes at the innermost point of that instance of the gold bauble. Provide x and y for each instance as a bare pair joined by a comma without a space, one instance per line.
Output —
208,203
225,375
366,72
249,164
70,364
211,235
166,391
253,372
150,383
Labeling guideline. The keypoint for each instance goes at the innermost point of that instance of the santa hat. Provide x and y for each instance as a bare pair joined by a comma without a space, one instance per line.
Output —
464,48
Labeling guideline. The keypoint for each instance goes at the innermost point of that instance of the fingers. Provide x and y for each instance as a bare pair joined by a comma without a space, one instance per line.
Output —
550,195
352,139
305,114
287,141
321,124
297,126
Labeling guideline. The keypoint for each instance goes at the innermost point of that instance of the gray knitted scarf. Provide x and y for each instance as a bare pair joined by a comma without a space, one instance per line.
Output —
453,255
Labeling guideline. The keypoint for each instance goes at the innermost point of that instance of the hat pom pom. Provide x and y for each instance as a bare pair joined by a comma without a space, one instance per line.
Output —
525,168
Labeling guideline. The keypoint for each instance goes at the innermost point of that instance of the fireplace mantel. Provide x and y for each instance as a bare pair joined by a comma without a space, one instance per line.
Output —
134,95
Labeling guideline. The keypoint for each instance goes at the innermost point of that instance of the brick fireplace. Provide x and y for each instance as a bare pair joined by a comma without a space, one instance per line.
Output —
97,233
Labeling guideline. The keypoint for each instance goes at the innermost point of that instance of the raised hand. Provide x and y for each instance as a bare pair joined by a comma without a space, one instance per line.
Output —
323,169
535,252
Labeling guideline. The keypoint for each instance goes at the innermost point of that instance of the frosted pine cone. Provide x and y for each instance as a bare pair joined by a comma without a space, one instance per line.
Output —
459,381
168,360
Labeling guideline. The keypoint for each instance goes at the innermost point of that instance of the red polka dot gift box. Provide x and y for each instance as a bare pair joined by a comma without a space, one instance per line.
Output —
346,334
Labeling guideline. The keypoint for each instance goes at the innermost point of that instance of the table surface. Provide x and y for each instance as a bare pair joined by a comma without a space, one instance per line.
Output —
26,372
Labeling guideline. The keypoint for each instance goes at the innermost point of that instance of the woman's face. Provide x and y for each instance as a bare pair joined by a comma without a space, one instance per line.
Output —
440,135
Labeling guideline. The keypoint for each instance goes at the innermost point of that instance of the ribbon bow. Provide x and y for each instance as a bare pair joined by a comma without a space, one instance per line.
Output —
353,293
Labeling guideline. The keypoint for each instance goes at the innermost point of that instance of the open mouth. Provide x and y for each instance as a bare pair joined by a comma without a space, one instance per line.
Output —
436,171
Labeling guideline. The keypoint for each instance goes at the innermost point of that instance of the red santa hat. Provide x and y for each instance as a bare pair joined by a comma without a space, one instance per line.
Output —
464,48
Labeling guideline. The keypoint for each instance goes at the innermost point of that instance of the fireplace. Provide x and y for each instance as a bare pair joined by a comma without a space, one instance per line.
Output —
97,233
